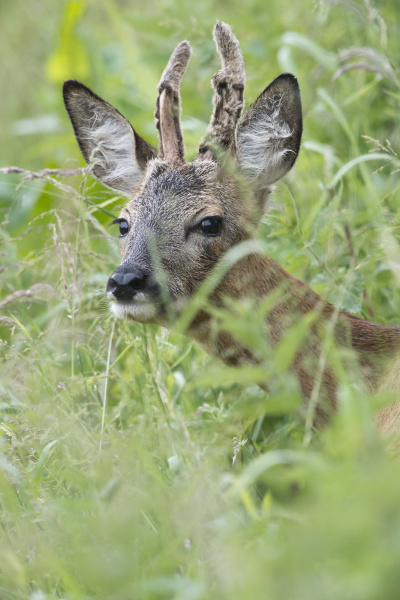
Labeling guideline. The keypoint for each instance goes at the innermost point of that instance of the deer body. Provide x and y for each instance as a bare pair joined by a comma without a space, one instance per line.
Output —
183,218
373,349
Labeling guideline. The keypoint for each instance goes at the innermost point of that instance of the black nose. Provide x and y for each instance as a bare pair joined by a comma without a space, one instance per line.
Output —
126,281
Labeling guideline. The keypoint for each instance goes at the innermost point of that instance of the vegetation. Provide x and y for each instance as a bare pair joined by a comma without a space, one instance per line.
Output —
133,466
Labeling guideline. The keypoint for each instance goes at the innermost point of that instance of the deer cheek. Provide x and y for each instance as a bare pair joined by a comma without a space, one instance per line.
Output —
123,246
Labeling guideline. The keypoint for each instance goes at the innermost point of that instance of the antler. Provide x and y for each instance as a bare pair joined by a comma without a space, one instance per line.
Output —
168,105
228,86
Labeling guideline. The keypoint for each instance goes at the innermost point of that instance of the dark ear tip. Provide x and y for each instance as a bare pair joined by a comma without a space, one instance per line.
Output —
71,84
289,77
289,84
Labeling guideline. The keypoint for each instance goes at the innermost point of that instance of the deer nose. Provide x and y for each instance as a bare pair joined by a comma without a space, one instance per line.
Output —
126,281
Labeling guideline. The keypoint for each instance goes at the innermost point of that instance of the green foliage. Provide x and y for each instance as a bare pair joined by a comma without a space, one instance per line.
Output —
132,465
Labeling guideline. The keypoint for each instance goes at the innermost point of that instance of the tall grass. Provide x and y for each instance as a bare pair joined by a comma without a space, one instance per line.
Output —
132,465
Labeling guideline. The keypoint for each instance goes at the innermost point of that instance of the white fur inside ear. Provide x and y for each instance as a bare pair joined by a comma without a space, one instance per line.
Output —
113,148
262,144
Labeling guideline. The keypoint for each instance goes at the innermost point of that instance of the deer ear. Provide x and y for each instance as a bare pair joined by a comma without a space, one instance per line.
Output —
269,133
107,140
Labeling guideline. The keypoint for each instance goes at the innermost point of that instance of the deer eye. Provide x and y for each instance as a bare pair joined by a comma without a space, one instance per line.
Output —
123,226
211,226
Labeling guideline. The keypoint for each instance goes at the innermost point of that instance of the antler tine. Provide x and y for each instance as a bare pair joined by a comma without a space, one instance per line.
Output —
228,86
168,105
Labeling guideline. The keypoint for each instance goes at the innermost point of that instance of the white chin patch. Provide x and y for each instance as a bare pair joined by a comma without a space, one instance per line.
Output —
143,312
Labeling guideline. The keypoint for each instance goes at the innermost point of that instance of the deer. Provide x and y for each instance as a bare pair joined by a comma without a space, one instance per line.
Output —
183,218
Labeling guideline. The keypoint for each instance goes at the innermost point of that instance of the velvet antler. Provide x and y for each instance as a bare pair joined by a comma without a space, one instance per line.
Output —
228,84
168,105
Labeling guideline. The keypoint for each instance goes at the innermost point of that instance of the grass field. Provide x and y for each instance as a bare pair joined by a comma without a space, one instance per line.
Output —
132,465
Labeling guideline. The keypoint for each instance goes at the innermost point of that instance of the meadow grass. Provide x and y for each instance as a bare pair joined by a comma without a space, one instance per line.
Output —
132,465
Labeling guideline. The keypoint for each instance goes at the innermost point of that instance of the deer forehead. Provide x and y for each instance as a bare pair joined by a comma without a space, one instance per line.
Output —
176,193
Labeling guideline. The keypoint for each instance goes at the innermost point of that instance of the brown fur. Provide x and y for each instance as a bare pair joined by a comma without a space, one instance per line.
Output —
168,250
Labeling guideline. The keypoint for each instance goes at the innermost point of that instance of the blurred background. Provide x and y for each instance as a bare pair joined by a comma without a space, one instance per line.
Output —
119,48
132,465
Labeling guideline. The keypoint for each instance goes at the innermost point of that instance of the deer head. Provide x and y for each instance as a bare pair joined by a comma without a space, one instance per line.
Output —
182,217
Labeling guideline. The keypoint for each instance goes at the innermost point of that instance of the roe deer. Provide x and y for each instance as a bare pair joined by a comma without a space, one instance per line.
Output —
186,216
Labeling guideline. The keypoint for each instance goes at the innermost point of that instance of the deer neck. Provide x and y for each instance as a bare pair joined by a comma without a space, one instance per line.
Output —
368,347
